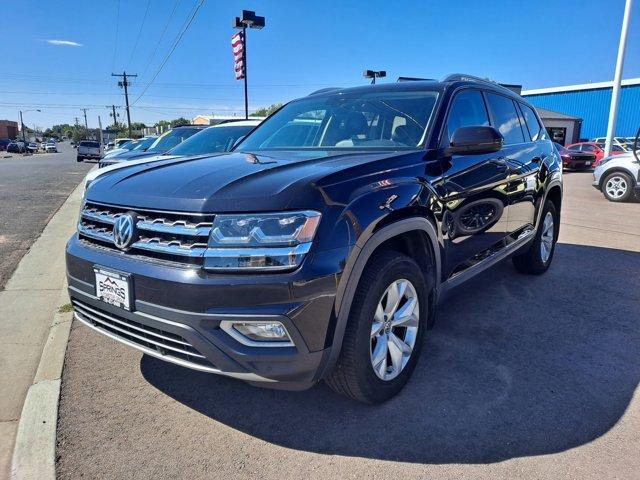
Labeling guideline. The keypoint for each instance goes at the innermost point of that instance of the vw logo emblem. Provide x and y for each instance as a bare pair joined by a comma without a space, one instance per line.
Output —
124,230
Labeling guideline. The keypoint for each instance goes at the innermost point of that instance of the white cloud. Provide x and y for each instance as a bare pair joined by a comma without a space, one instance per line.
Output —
64,43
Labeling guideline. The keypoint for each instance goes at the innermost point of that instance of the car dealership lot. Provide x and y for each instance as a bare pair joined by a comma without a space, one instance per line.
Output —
503,388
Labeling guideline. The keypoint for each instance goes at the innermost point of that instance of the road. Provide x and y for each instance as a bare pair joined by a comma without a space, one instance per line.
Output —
32,189
522,377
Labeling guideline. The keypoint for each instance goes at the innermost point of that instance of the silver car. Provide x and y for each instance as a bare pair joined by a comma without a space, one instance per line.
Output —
618,177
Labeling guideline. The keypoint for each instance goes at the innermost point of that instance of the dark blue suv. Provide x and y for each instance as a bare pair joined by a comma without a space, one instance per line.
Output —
319,247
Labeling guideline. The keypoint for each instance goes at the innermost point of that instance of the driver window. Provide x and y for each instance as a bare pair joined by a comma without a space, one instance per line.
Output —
467,110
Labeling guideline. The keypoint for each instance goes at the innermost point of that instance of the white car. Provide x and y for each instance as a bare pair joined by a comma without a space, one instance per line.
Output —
215,139
620,141
50,147
618,177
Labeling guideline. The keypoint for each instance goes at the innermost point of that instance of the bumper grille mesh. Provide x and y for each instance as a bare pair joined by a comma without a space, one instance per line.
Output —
168,345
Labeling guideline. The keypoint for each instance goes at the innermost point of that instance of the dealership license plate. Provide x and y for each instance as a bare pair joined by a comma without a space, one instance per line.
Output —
587,163
113,288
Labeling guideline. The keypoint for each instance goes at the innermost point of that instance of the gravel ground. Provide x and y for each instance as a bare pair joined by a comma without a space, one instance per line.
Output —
32,189
522,377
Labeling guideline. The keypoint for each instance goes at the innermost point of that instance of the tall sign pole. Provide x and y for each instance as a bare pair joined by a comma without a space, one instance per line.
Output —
617,79
249,19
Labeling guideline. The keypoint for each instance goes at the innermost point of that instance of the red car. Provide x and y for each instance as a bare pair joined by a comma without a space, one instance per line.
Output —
595,148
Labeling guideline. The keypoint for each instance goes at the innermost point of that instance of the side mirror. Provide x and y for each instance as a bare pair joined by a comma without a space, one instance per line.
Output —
475,140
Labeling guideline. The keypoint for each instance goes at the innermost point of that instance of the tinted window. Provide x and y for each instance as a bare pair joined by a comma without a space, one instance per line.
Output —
172,138
531,121
505,118
349,119
467,110
90,144
211,140
588,148
617,148
143,144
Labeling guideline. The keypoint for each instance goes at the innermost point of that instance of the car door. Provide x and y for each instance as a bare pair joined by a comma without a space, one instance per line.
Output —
523,157
472,189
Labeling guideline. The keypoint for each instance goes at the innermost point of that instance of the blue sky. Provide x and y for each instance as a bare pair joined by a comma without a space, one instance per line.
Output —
306,45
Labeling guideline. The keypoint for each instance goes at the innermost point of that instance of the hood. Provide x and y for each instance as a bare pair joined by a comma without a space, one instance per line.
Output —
228,182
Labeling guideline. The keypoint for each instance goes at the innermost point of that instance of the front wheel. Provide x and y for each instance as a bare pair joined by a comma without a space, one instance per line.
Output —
617,187
385,330
537,258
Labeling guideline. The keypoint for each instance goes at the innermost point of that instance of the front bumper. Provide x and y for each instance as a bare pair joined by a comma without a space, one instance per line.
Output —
176,313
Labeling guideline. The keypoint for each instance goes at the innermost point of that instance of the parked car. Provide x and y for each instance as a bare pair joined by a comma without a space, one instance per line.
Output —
51,147
15,147
88,150
118,142
322,255
576,160
217,138
618,177
140,145
3,143
162,144
619,141
595,148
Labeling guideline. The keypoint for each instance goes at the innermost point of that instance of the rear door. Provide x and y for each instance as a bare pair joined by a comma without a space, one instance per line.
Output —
523,157
473,190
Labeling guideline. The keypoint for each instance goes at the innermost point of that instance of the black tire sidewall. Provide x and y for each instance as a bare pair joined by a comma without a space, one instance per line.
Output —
549,207
400,267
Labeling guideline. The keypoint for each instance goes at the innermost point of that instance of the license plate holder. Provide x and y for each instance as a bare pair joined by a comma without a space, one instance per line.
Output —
113,287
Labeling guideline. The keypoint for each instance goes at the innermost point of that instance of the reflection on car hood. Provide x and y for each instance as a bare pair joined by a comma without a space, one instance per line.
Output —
225,182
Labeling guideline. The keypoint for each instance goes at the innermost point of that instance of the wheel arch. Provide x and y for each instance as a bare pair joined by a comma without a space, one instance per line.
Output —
617,169
413,235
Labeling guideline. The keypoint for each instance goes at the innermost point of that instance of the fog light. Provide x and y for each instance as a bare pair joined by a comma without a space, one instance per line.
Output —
258,333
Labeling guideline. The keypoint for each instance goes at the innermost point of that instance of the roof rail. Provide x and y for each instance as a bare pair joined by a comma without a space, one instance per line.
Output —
462,77
325,90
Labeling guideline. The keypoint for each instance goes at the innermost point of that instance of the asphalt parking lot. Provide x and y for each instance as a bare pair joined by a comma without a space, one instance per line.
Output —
522,377
40,182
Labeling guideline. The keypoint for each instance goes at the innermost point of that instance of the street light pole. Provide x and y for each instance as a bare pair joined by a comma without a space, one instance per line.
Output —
244,62
22,122
617,79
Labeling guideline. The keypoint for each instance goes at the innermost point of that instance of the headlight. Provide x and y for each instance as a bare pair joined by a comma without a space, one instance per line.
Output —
265,241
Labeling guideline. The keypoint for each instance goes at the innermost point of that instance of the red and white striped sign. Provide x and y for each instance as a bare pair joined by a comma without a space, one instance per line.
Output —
237,43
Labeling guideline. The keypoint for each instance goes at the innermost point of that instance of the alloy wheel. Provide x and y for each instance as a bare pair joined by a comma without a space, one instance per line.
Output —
394,329
616,187
546,241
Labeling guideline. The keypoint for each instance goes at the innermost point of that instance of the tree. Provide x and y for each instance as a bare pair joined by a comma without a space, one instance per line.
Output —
266,111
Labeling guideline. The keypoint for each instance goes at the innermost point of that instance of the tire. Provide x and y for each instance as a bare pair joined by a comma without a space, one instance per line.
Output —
79,159
617,187
538,257
354,374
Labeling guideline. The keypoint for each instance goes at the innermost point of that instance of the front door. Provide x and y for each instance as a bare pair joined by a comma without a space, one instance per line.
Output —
473,192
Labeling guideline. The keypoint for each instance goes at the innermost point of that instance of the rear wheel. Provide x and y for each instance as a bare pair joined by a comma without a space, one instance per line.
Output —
537,258
385,330
617,187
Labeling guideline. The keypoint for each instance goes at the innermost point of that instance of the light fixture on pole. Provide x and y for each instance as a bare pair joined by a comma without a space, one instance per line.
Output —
248,19
373,74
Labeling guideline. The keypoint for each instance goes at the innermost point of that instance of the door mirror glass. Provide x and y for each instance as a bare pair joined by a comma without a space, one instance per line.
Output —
475,140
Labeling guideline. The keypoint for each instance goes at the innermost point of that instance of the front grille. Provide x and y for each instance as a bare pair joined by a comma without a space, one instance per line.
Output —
175,237
167,345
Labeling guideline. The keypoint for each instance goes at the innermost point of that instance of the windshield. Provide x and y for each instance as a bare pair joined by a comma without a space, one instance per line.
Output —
170,139
369,120
128,145
211,140
143,144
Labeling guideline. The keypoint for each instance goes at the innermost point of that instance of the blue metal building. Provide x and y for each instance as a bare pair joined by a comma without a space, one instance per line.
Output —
590,102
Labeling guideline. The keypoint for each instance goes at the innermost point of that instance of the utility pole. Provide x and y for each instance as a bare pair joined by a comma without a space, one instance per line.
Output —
22,128
114,115
86,124
617,79
100,127
125,84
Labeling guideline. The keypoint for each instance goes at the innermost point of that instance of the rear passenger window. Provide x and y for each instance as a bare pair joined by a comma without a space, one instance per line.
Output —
505,118
532,122
467,110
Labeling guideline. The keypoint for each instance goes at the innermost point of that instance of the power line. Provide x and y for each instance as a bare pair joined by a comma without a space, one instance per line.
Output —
175,45
164,30
135,45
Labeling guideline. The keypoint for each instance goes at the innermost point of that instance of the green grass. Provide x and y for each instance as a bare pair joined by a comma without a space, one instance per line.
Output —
66,308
